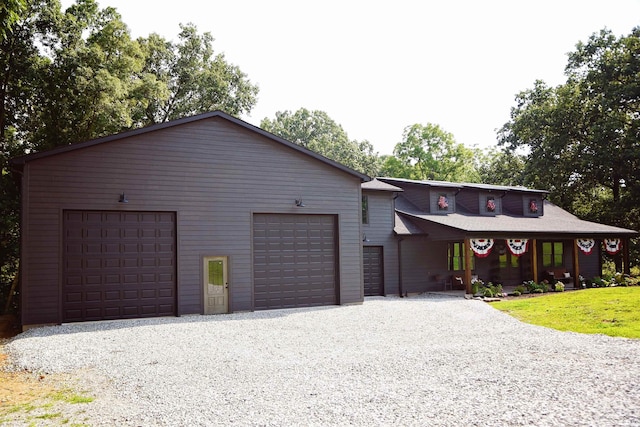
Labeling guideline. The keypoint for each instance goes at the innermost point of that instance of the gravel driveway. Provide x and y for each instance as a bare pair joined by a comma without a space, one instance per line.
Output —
427,360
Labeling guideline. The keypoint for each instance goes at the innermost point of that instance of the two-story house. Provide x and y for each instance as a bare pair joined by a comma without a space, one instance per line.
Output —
447,234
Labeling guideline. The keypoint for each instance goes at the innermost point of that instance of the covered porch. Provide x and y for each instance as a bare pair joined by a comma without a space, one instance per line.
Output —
449,252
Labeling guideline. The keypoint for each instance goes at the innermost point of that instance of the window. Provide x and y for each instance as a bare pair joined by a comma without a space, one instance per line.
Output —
365,209
552,254
506,259
443,202
455,255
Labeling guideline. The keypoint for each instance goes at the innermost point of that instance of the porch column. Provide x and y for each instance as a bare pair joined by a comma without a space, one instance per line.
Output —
625,256
467,265
534,259
576,265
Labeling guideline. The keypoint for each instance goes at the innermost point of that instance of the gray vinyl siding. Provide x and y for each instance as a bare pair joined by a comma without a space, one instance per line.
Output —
590,264
422,260
214,175
379,232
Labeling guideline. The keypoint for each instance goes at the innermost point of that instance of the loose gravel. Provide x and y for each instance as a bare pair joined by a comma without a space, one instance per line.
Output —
426,360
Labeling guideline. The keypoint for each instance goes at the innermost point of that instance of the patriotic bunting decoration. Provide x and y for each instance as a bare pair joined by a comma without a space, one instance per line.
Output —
586,245
481,247
517,246
612,246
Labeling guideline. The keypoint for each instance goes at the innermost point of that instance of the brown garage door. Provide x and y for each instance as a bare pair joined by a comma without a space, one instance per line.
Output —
294,261
118,265
372,267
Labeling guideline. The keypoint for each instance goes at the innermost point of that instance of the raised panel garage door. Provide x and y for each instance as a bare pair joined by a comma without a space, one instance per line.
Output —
294,261
372,268
118,265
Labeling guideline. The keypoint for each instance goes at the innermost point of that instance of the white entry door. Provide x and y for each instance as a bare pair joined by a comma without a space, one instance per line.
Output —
216,285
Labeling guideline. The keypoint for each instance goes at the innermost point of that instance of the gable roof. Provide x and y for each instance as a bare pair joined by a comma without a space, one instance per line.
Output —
554,221
19,162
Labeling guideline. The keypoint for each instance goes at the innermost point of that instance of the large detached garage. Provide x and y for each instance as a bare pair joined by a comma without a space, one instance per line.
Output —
206,214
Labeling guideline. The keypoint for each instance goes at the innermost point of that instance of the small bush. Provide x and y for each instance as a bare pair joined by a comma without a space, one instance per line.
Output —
559,287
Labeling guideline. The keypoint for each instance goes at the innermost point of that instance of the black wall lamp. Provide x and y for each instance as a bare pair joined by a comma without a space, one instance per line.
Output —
300,203
364,238
123,198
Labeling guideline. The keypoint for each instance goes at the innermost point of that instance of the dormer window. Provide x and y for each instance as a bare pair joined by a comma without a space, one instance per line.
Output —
532,206
490,204
443,202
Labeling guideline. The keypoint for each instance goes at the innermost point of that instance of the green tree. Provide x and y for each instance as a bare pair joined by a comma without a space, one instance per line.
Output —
316,131
10,12
581,137
429,152
186,78
502,167
73,75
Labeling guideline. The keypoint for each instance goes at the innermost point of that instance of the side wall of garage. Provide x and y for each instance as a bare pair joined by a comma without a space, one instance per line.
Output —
379,234
213,175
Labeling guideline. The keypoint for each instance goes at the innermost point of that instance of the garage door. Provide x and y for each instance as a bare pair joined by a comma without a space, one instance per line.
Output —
372,268
118,265
294,261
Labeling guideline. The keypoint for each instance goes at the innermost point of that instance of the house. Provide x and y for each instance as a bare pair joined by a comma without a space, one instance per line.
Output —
207,214
447,234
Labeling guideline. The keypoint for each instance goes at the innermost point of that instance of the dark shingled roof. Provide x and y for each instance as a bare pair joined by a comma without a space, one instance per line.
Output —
377,185
461,185
555,221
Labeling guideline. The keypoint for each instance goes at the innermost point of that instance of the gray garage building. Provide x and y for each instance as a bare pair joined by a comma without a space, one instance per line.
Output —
206,214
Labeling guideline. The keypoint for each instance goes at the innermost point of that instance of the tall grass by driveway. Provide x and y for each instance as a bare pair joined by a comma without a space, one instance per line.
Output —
609,311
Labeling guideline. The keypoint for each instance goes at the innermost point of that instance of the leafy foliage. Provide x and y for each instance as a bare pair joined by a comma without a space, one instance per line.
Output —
581,137
427,152
316,131
73,75
186,78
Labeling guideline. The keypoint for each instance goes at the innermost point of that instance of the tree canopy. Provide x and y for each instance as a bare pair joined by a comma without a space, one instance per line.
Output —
316,131
582,138
76,74
429,152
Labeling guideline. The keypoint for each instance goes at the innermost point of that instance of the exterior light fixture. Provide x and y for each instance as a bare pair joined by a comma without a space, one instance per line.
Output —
123,198
299,203
364,238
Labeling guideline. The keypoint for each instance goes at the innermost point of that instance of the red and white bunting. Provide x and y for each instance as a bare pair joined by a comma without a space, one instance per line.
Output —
481,247
586,245
612,246
517,246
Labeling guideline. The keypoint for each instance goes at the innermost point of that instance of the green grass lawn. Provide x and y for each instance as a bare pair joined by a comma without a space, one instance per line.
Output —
609,311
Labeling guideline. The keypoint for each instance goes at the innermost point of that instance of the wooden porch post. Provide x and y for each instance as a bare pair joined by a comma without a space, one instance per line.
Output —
576,265
625,256
467,265
534,259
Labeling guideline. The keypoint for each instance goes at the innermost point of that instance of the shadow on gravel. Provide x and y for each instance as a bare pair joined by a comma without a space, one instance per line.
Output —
107,325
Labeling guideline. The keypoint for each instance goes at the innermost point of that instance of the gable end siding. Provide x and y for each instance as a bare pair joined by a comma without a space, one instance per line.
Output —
214,174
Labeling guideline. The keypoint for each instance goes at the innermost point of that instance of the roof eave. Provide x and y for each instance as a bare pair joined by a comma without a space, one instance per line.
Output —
18,163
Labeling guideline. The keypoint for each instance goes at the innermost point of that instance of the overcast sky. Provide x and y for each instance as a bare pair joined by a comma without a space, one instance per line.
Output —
376,67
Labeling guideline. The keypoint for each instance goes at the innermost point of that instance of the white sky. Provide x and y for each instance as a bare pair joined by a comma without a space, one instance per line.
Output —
376,67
